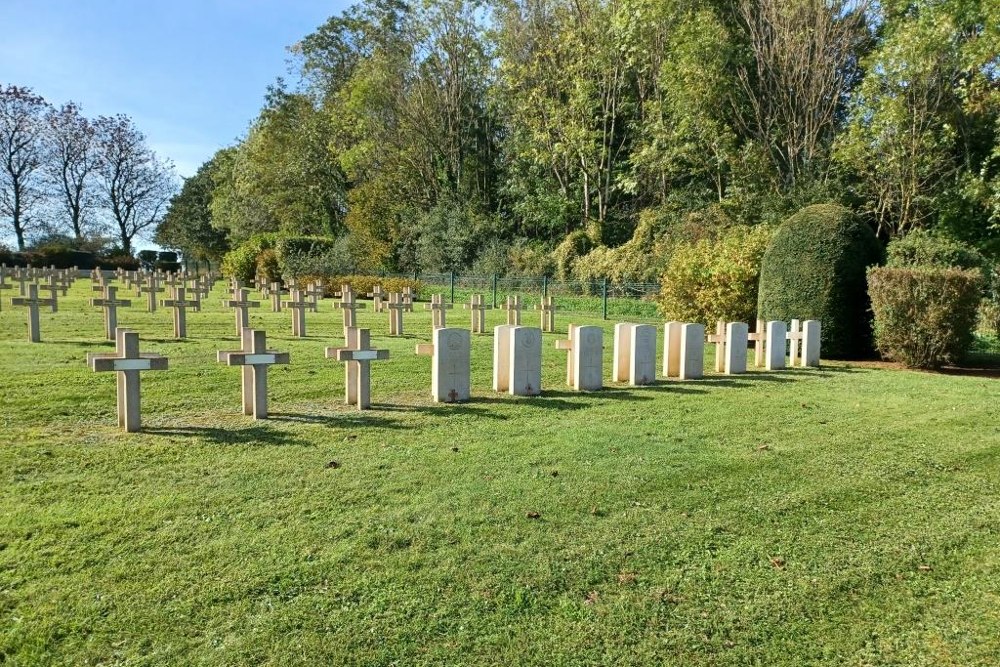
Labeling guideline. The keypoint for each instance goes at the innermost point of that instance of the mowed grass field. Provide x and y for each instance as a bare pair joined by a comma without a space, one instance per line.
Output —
833,516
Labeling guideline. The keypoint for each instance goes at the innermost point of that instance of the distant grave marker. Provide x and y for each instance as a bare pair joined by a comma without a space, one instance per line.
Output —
438,309
584,357
32,302
110,303
180,303
478,309
357,356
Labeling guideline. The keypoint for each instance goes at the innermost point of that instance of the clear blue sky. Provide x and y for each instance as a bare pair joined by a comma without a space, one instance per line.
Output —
191,73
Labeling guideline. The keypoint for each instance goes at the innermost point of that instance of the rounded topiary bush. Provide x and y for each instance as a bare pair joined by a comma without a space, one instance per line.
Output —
814,269
924,317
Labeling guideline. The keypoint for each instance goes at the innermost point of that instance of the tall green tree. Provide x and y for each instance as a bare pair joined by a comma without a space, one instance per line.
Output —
187,226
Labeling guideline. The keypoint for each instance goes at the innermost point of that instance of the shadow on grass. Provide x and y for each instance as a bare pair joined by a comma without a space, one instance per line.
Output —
341,420
253,435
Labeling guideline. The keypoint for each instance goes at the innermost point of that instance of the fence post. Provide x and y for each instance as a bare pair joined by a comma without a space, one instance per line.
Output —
494,290
604,297
453,287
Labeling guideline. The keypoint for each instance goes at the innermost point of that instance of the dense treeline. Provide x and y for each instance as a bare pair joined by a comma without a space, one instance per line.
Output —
70,181
584,137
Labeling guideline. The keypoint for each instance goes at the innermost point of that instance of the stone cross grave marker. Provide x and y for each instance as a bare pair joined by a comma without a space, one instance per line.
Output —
151,289
32,302
395,308
127,362
759,339
408,298
584,357
377,295
776,343
810,343
298,305
316,291
21,277
719,340
692,352
438,307
110,303
357,356
548,310
349,306
736,348
478,309
52,288
275,292
241,305
254,358
180,303
513,308
794,338
4,285
450,364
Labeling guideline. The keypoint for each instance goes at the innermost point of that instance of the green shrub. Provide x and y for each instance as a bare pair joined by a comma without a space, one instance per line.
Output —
707,281
241,261
814,268
268,268
644,257
921,248
573,247
310,255
529,260
924,317
989,307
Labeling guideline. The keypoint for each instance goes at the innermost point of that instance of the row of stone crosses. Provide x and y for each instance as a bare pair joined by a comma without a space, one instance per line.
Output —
517,350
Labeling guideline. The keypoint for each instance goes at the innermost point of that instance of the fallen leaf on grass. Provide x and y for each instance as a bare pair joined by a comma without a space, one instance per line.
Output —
533,515
627,577
333,464
778,563
924,568
454,449
764,447
554,473
591,598
352,436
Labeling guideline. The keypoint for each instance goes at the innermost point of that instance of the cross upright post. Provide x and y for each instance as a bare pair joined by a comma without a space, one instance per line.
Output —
408,298
794,336
759,339
358,355
127,362
349,306
52,288
275,293
32,302
241,305
513,308
180,303
254,358
395,308
298,305
548,311
110,303
377,295
719,340
437,306
316,291
151,289
478,309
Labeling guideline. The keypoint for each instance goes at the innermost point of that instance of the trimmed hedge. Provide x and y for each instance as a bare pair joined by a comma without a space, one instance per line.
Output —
814,269
921,248
924,317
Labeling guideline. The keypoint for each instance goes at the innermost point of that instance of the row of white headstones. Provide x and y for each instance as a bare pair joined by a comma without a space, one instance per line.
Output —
516,354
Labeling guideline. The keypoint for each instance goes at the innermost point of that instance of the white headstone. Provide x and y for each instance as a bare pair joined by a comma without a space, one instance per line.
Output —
810,343
450,364
736,348
672,349
692,355
776,342
588,358
622,352
501,357
642,355
525,361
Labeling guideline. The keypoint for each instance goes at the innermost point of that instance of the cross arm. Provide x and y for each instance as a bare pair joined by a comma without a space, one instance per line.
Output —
361,355
110,362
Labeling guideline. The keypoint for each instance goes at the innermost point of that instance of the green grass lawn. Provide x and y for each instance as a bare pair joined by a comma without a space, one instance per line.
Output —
840,516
